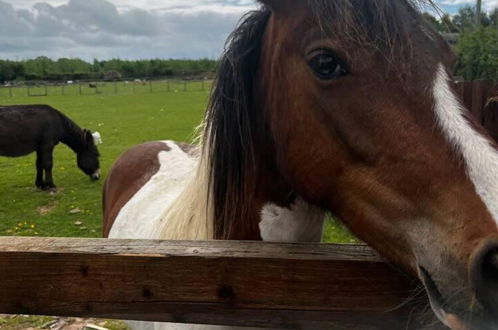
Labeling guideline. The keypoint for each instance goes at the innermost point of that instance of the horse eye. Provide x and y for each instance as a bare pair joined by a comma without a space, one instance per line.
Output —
326,66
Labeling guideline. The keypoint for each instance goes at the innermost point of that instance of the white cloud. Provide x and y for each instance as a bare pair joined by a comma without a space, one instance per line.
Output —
128,29
215,5
124,28
487,4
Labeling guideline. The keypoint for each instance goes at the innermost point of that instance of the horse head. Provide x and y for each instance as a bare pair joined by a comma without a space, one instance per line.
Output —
350,105
88,156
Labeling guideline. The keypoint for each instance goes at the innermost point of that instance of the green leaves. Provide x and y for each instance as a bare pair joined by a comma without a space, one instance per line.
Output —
478,54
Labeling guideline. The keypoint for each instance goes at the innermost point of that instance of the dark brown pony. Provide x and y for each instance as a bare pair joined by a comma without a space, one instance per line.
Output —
348,106
28,128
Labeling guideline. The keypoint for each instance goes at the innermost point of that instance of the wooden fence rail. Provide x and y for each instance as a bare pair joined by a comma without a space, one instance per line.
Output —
311,286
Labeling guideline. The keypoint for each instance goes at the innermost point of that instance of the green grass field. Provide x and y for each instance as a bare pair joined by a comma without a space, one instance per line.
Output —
124,120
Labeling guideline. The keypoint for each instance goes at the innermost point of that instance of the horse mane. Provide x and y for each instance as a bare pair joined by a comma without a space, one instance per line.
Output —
231,123
216,192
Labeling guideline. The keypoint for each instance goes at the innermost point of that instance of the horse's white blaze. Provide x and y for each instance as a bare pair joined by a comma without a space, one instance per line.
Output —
481,159
301,222
140,218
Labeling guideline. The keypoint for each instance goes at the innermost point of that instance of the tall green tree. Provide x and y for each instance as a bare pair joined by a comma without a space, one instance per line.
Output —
478,54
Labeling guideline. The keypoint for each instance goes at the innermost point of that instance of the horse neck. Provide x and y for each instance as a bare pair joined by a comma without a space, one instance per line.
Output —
72,135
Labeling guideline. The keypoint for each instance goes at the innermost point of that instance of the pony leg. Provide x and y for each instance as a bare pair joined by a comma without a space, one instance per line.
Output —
47,164
301,222
39,171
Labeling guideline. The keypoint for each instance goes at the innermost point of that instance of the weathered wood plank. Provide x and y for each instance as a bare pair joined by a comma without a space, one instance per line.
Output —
467,94
480,93
490,117
308,286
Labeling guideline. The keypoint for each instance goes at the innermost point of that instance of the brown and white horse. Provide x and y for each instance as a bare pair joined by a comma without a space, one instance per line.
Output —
340,105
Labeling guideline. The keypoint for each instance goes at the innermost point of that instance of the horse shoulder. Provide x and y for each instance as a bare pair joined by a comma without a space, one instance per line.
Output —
140,185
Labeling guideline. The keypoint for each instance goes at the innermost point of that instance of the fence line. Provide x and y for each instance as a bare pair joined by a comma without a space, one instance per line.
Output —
475,95
305,286
106,88
480,97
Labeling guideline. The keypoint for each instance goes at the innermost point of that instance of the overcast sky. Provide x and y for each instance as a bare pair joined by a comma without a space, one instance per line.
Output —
127,29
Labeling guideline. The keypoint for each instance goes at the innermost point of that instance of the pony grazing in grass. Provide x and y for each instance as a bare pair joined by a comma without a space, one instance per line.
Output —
339,105
28,128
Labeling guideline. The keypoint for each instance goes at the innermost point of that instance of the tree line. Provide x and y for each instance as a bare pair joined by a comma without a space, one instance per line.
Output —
477,50
43,68
477,45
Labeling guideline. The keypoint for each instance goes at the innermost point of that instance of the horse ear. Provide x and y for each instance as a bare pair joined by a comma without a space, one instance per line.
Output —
88,136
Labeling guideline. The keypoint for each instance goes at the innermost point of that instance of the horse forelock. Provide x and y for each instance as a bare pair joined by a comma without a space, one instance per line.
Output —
382,23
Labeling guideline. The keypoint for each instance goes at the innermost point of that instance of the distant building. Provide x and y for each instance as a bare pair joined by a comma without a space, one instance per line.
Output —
112,76
451,38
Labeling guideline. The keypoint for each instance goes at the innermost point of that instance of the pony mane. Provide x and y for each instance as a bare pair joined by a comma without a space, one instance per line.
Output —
218,188
231,123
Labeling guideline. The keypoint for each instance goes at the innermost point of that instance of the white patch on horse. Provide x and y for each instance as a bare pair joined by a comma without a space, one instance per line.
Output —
97,138
480,157
140,218
301,222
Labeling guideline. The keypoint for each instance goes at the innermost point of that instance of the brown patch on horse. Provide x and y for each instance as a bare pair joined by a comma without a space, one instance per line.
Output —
127,176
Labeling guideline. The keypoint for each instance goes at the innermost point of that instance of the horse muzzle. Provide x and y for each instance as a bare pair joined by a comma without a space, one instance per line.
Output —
95,176
481,292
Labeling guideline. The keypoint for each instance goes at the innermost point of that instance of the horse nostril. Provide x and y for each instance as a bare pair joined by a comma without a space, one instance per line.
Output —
490,266
484,276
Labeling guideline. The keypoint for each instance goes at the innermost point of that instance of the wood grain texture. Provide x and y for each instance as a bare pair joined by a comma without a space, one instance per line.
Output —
310,286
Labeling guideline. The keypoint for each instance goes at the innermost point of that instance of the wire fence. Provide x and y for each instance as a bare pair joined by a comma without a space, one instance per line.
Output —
106,88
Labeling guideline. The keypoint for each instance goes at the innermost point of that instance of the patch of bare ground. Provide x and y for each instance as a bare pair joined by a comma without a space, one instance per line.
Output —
47,208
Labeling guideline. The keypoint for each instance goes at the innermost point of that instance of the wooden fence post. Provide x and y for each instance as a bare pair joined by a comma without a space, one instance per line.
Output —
467,94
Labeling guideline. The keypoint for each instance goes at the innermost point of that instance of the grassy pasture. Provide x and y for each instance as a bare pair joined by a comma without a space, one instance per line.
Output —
125,119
